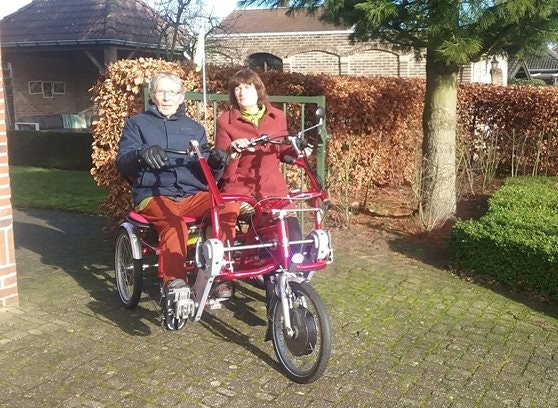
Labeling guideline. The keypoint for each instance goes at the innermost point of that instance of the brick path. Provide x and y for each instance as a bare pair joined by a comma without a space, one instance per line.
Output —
405,335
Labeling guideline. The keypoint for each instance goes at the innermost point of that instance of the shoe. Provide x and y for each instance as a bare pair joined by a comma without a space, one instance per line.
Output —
168,300
223,290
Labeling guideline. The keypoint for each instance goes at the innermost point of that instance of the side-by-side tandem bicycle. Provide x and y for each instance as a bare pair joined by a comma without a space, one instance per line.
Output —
269,248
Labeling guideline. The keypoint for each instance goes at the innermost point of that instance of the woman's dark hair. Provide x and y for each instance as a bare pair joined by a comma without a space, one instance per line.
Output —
247,76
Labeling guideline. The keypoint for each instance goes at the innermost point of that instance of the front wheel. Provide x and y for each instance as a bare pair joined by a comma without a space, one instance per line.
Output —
303,355
128,271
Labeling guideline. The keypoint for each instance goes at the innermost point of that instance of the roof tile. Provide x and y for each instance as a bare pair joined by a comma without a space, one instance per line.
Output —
79,20
276,20
549,62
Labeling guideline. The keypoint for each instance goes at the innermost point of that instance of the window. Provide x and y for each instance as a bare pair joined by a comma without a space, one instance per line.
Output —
47,89
58,88
35,87
265,61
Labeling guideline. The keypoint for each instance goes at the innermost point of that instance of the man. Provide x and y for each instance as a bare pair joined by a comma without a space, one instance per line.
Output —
167,186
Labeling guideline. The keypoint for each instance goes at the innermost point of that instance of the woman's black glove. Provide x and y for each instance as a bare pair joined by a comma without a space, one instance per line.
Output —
218,158
154,156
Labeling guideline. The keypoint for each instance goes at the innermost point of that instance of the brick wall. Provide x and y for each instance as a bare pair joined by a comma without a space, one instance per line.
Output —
330,53
8,277
72,68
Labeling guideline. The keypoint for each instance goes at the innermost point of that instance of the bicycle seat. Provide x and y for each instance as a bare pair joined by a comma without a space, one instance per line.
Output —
137,217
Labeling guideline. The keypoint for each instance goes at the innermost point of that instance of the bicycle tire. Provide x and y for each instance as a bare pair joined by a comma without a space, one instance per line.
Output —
305,355
128,271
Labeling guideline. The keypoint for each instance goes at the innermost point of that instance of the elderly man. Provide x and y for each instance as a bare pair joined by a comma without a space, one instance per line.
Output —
167,187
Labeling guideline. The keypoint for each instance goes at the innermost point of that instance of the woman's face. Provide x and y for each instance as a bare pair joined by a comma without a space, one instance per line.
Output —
246,96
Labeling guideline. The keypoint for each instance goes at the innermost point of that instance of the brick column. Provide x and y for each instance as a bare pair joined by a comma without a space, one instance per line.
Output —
287,64
8,276
497,76
404,66
345,68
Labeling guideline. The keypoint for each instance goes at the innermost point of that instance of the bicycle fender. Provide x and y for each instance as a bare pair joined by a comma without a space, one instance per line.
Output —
134,240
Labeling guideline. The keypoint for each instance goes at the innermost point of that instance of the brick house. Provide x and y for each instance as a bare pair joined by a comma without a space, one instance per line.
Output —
8,276
52,51
269,38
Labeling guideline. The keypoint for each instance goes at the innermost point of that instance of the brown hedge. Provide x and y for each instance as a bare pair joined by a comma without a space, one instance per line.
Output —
524,118
374,123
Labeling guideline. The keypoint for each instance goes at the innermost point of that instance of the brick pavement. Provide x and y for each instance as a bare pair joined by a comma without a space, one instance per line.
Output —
406,334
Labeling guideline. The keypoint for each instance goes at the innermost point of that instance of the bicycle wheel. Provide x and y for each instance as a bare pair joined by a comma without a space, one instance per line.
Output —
305,354
128,271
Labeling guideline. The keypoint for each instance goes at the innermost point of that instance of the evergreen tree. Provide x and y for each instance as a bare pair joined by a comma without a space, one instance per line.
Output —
448,34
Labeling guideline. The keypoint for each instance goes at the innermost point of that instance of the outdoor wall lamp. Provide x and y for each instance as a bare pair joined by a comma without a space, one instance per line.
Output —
493,63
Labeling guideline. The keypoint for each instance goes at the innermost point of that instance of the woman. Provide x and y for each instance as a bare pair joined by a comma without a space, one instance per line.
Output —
253,171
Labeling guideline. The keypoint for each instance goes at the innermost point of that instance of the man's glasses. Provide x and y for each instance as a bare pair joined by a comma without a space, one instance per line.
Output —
172,94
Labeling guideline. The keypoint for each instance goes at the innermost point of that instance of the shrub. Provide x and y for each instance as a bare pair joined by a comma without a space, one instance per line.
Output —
60,150
532,82
516,242
387,122
513,129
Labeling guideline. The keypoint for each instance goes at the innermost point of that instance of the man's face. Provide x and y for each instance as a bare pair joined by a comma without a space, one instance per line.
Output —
167,96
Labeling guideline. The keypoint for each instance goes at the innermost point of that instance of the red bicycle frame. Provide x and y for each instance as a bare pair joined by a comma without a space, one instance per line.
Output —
269,232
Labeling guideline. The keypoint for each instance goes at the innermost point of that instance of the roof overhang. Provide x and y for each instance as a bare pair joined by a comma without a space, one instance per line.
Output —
69,43
282,34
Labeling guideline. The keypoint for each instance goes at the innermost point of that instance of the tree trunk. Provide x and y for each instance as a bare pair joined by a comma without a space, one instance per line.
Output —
438,174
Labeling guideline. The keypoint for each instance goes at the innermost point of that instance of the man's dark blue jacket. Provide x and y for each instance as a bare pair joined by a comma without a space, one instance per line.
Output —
182,176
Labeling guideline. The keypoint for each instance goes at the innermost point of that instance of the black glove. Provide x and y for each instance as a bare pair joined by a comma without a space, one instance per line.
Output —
218,158
154,156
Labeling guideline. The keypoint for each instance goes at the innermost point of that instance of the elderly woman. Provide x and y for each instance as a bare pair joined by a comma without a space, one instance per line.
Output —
253,171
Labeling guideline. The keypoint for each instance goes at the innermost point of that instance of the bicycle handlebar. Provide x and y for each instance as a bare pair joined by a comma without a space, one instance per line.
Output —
295,141
204,148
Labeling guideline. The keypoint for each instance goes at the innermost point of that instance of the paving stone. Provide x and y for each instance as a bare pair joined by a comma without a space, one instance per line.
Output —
405,334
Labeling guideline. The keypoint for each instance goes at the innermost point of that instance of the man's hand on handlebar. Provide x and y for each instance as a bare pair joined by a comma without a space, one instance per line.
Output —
153,156
218,158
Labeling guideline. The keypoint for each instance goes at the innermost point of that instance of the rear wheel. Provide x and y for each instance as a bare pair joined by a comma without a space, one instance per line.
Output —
128,271
305,354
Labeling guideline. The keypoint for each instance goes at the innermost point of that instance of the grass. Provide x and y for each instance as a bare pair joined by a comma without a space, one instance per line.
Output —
65,190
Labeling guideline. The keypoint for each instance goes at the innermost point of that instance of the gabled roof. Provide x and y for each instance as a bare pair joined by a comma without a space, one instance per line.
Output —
74,22
257,21
549,62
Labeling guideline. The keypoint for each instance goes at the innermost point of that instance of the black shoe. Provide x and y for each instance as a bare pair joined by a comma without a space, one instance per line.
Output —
223,290
170,321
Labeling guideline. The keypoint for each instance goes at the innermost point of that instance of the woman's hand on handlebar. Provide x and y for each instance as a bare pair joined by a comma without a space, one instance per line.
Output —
238,145
307,151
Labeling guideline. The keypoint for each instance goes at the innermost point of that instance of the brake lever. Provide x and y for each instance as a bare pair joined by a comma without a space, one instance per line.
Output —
263,139
203,148
182,152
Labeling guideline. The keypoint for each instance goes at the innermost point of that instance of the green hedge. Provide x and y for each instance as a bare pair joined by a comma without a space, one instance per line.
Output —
60,150
516,242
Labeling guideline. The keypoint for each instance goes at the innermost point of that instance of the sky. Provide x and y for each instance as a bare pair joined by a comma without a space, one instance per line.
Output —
220,7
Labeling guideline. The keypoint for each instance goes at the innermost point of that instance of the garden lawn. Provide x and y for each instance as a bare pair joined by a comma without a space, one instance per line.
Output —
65,190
